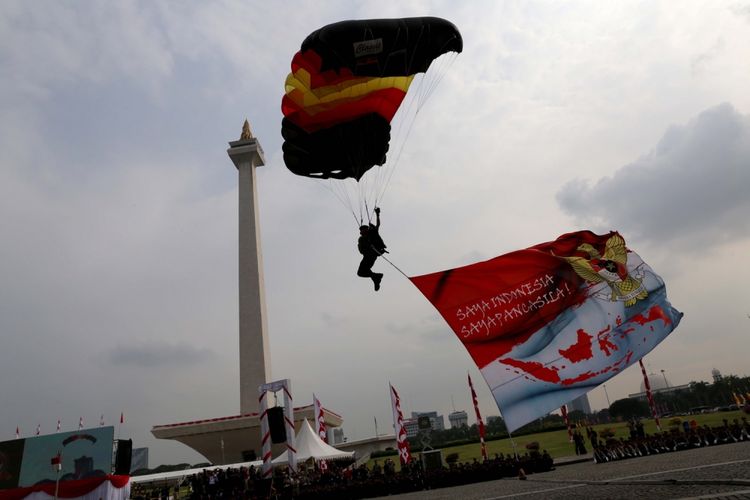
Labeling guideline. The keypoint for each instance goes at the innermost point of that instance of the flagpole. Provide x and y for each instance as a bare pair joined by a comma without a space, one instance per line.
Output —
649,395
515,450
58,469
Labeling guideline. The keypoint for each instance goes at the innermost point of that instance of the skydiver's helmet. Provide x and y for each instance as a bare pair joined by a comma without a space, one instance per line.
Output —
364,228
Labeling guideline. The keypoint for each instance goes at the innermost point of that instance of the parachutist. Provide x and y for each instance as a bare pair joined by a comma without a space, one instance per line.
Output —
371,246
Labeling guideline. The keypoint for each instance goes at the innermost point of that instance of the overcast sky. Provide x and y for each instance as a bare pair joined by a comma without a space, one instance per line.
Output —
118,203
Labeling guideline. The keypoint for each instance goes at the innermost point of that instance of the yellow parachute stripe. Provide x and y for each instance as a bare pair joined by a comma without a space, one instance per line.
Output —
298,88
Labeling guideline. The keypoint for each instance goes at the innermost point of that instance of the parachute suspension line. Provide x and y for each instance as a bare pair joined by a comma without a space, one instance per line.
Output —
423,91
340,196
444,63
407,124
399,138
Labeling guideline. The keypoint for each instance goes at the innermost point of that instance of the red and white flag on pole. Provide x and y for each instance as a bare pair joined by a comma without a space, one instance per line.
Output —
564,412
38,429
404,452
58,425
650,396
320,423
480,422
80,423
122,417
101,421
18,432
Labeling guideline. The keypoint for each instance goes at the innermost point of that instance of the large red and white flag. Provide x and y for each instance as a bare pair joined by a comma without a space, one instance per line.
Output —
404,452
58,425
101,421
18,432
320,422
549,323
480,422
80,423
38,429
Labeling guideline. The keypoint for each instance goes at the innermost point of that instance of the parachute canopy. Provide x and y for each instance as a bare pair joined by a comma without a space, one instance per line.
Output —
347,82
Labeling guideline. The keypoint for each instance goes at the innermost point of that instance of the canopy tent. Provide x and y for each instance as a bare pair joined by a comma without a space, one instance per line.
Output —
179,475
309,445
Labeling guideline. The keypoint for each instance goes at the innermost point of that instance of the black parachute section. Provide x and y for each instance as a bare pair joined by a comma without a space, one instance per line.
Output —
339,152
409,45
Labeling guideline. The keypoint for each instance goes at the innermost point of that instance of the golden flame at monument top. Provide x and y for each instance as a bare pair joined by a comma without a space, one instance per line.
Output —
247,134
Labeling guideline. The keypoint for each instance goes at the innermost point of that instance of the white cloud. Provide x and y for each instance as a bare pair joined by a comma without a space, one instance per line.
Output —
692,188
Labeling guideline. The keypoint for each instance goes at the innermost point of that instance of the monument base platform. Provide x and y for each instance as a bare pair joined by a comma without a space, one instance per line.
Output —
233,439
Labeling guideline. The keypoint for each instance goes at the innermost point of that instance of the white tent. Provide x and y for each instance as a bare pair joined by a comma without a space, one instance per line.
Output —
309,445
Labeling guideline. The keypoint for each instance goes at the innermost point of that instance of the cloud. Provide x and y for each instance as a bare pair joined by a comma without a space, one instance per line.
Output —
691,188
741,11
700,62
158,354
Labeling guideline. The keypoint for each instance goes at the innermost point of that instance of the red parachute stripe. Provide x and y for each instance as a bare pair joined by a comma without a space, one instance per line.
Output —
384,102
310,61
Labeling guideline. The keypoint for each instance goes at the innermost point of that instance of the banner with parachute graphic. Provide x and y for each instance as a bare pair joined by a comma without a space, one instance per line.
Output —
549,323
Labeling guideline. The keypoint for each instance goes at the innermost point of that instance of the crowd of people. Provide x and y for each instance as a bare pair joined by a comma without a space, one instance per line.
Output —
691,435
350,482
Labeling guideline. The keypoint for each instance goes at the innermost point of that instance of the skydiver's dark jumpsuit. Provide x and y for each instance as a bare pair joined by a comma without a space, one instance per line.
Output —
368,251
371,246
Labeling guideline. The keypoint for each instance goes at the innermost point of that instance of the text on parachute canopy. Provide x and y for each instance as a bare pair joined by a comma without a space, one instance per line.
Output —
488,313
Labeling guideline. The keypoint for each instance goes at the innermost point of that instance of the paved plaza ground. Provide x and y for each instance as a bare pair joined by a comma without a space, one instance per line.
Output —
714,472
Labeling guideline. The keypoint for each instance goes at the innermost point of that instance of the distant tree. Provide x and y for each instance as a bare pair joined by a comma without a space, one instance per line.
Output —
495,427
603,416
576,416
628,408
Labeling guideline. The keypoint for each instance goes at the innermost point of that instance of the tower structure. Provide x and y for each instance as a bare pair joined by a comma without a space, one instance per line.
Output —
255,358
237,438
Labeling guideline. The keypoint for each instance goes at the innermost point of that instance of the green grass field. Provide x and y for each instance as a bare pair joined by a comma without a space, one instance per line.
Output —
556,443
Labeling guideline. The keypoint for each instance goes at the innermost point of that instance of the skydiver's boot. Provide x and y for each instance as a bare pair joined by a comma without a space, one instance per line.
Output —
377,278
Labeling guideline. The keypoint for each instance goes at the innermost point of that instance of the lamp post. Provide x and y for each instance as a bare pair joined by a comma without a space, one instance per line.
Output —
606,394
665,379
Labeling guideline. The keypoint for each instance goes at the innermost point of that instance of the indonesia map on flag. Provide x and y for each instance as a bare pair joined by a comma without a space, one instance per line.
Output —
549,323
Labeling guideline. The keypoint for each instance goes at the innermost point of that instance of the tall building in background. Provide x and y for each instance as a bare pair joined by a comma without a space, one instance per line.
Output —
458,419
716,375
436,421
338,435
139,459
580,403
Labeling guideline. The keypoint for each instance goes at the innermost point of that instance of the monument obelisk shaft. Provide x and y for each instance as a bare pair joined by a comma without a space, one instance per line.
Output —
255,359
